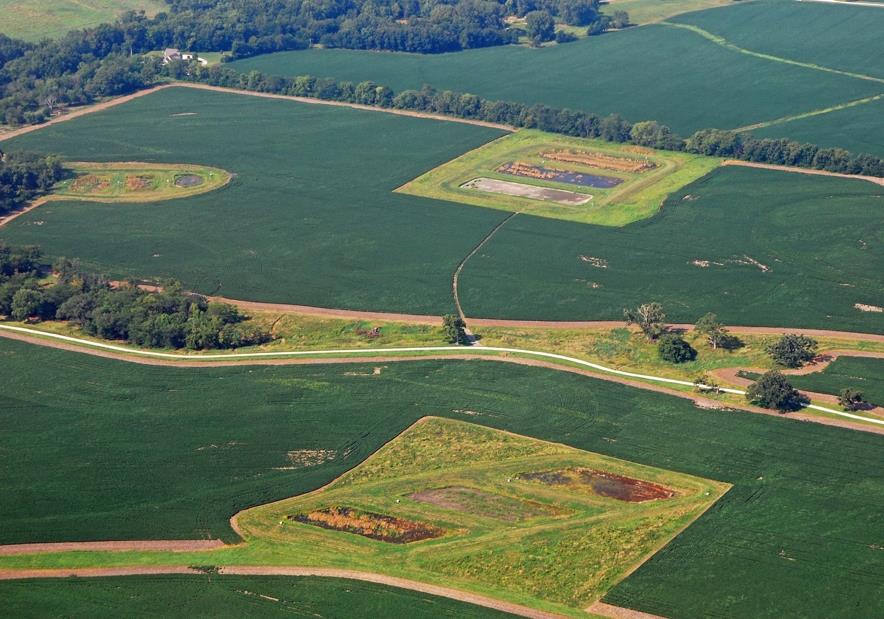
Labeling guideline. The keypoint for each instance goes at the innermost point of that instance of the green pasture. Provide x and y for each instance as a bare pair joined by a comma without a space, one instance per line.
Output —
846,38
224,596
754,246
652,11
34,20
640,195
865,374
529,542
132,439
654,72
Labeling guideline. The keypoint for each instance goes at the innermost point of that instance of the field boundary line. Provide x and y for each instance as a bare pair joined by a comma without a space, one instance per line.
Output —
820,112
161,545
877,5
719,40
877,180
475,250
465,351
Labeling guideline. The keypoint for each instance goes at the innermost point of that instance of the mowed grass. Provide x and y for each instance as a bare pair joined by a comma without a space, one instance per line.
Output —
309,217
543,544
136,182
33,20
639,195
129,465
653,72
754,246
652,11
224,596
847,38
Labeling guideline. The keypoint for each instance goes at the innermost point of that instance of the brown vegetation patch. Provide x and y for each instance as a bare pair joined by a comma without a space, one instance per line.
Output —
481,503
601,160
369,524
868,308
90,183
139,182
602,483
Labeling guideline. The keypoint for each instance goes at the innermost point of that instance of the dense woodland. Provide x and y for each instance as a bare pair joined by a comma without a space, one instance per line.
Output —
24,176
167,318
35,79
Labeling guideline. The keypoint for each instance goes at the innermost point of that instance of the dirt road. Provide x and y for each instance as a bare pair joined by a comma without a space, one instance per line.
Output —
784,168
177,545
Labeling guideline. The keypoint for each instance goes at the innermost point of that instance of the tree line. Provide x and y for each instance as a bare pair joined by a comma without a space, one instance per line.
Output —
613,127
24,176
166,317
35,79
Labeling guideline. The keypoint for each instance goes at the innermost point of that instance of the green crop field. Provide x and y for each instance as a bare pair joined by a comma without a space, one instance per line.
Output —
653,72
847,38
867,375
498,515
224,596
309,217
637,196
857,128
287,229
756,247
33,20
804,507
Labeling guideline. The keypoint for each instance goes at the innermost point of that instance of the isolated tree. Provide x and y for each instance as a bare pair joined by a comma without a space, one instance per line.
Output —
620,19
454,329
852,399
704,383
792,350
540,26
772,390
674,349
714,332
649,317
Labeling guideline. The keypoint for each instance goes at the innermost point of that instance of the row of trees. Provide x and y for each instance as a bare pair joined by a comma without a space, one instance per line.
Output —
612,128
23,176
165,318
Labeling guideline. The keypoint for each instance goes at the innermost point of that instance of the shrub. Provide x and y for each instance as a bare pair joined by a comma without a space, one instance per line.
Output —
674,349
852,399
772,390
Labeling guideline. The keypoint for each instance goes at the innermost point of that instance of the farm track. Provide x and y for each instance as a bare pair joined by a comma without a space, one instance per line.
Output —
787,119
428,353
175,545
269,570
877,180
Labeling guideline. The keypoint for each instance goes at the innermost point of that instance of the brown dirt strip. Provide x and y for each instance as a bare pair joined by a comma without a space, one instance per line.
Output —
699,401
784,168
183,545
616,612
269,570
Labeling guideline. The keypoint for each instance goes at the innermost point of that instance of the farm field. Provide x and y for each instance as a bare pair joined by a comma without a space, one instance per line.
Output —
816,506
33,20
866,375
856,128
224,596
285,229
685,80
634,181
487,511
847,38
270,243
652,11
774,250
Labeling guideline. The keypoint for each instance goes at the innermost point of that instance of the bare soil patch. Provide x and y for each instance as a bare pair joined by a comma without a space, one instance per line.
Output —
868,308
381,527
603,483
601,160
481,503
521,190
138,182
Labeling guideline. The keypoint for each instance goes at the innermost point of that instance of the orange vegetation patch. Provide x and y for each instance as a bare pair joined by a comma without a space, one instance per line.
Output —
90,183
602,483
369,524
601,160
139,182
